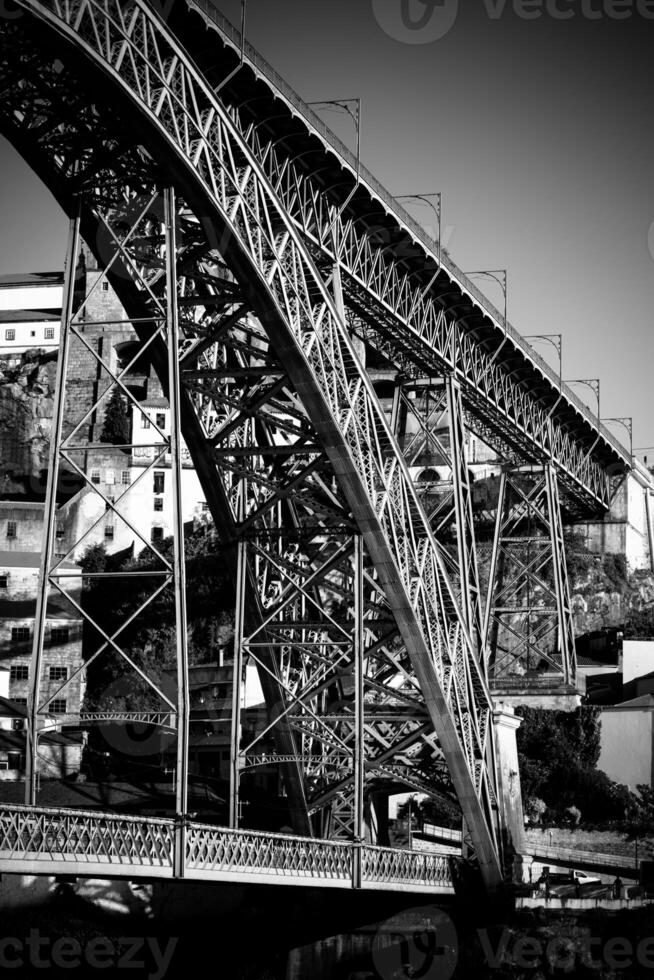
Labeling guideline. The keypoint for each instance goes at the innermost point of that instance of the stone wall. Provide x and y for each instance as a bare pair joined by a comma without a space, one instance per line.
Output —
599,841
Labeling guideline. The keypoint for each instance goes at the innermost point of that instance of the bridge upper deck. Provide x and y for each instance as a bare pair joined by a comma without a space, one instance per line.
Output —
514,399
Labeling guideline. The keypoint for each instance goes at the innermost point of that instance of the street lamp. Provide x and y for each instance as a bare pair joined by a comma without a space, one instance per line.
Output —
593,384
242,52
500,277
626,422
428,199
345,105
556,341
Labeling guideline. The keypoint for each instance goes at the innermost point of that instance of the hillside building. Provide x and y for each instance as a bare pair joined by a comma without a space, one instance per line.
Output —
30,312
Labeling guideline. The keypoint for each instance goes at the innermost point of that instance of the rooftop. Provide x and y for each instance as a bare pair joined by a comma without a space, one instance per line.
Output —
58,608
12,709
18,280
29,316
27,559
644,701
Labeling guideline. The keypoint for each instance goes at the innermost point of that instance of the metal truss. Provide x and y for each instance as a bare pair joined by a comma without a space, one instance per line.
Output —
399,313
76,444
528,621
327,409
412,318
428,419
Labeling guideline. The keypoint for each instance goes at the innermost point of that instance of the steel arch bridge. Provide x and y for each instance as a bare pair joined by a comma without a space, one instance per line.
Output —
309,337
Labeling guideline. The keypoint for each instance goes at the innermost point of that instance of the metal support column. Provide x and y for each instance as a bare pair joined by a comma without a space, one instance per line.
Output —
465,532
49,516
566,635
359,734
179,575
237,680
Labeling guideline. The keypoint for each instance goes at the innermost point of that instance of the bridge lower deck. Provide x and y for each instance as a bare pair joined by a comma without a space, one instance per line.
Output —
44,841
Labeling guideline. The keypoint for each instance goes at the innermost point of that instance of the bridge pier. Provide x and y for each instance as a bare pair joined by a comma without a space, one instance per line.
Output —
511,817
528,624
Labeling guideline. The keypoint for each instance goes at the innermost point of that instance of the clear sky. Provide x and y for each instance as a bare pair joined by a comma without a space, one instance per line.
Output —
538,132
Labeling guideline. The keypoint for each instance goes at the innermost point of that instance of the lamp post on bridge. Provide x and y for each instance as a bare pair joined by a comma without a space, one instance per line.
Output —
500,277
593,384
628,423
556,341
428,199
345,105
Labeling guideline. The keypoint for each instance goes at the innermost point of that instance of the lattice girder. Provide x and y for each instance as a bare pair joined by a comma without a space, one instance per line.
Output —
284,287
528,619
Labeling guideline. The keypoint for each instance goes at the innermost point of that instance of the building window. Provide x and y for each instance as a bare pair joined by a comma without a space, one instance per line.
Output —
32,333
109,532
58,634
95,476
145,422
12,528
110,477
59,531
158,483
19,634
59,673
156,534
161,420
13,758
4,581
57,707
18,672
10,334
158,503
105,286
20,700
49,333
125,477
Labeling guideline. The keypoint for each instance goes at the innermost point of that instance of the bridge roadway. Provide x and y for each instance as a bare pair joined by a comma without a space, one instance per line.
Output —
48,841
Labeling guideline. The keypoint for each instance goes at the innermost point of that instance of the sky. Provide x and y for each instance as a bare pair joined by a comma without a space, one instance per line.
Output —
532,118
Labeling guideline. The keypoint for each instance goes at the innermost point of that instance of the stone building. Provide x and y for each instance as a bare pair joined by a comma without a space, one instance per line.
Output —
59,754
62,687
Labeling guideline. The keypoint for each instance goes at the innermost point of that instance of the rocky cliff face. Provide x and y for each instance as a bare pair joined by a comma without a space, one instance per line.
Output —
26,405
606,593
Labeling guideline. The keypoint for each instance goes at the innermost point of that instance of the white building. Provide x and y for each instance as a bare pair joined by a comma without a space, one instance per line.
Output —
30,311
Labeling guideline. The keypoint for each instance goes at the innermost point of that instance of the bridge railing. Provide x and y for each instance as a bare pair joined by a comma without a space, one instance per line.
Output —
382,866
85,836
206,8
77,837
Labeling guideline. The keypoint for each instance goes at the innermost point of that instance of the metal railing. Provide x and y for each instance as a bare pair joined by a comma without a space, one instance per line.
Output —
35,837
233,36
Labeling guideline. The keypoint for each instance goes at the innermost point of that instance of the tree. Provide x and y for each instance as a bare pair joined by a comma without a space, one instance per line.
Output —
558,753
534,809
149,640
116,424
